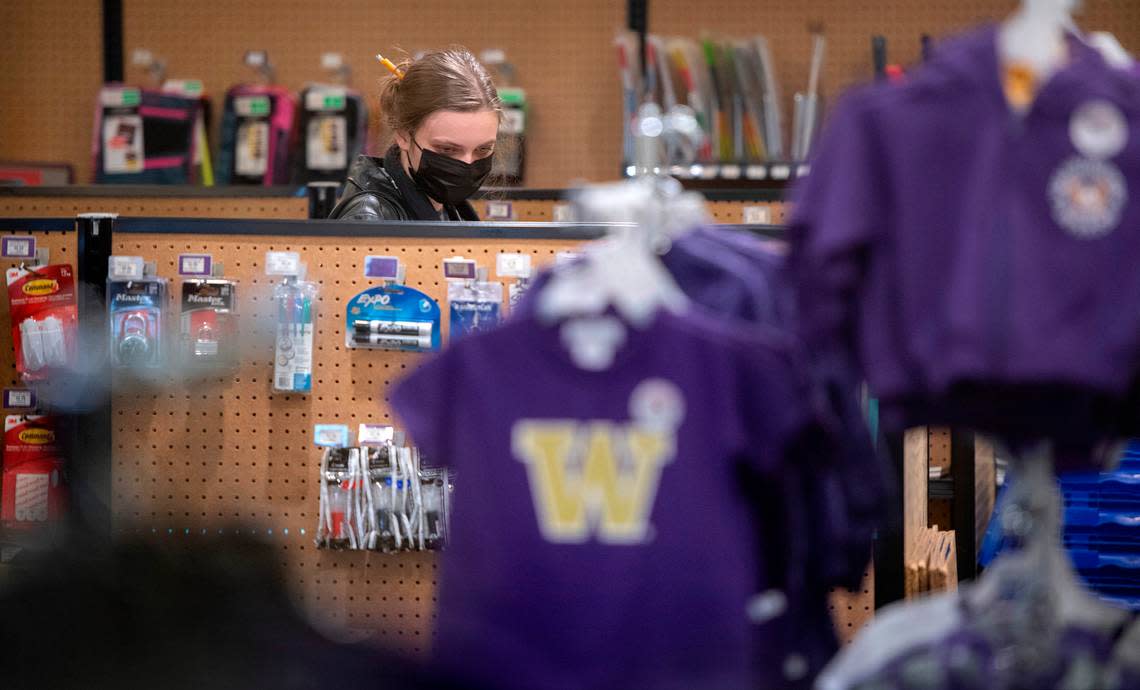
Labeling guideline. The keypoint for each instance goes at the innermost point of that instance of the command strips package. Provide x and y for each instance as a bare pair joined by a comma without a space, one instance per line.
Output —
33,490
44,319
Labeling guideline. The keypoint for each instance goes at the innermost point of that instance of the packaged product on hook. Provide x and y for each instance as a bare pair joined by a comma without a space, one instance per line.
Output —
33,489
136,306
209,331
474,304
336,528
435,491
376,497
44,319
392,317
295,299
516,266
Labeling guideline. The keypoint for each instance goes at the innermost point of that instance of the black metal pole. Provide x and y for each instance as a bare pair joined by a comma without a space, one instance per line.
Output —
879,56
638,15
322,198
888,556
112,40
90,459
962,469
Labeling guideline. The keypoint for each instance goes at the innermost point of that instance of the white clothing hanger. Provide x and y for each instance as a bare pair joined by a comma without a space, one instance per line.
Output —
1034,36
1111,49
624,271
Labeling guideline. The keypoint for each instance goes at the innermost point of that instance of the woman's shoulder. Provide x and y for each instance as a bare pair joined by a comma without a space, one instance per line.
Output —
370,193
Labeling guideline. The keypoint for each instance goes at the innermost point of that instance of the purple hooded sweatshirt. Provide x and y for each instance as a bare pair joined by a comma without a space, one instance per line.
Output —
978,266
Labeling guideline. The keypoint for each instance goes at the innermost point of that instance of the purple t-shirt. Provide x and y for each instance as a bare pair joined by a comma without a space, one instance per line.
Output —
942,240
600,534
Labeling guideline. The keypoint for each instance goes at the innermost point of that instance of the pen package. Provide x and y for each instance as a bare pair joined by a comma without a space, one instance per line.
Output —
293,355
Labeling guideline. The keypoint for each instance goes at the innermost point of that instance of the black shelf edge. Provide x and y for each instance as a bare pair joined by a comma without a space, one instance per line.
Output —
714,190
9,225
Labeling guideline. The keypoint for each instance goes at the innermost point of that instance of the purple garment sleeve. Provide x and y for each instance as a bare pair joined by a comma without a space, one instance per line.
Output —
422,402
838,214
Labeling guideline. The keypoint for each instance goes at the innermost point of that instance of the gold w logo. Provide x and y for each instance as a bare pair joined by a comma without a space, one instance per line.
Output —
592,476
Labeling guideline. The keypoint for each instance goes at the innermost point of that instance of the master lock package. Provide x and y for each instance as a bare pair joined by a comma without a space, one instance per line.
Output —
136,311
209,323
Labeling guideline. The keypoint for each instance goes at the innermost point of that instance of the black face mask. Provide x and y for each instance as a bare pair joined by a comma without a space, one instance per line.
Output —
448,180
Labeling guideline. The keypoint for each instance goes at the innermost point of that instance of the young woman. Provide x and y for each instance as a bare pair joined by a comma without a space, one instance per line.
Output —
444,113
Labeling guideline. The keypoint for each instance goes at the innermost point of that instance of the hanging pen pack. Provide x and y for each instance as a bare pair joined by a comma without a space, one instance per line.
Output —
295,299
340,466
391,316
377,496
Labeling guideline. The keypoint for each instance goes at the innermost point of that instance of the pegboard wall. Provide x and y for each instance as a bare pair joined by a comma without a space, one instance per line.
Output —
275,207
195,457
575,130
51,52
192,457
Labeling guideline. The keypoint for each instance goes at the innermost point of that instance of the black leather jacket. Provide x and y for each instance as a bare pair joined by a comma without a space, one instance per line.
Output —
379,189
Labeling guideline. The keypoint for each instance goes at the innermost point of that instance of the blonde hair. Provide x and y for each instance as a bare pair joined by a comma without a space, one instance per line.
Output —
450,79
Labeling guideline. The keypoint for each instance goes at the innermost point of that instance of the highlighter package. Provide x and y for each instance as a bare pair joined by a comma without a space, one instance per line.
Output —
44,319
208,324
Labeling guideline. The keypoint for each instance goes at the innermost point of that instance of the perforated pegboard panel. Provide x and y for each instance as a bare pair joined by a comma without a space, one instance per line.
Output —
735,212
539,210
203,455
157,207
850,611
563,57
941,513
727,212
939,441
51,53
850,25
